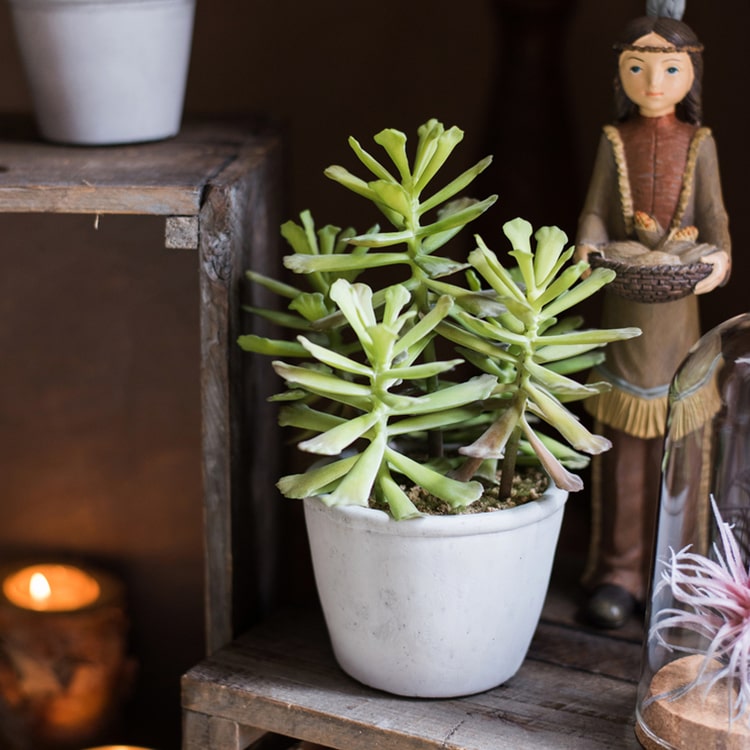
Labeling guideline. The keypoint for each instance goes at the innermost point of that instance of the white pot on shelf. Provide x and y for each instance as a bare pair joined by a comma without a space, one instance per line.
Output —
434,607
105,72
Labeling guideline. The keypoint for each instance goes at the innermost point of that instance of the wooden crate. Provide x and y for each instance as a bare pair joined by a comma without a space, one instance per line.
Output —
217,185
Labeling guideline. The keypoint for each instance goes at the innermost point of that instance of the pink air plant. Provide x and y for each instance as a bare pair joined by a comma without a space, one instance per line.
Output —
716,594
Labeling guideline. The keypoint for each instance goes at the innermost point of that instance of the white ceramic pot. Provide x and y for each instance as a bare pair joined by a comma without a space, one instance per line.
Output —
105,71
433,607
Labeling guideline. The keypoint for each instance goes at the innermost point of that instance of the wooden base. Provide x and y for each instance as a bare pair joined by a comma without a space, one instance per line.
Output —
697,719
575,691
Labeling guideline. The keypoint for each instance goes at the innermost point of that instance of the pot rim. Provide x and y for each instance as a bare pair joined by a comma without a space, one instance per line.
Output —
489,522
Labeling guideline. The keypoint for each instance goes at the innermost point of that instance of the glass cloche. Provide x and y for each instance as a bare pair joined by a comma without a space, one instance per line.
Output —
694,687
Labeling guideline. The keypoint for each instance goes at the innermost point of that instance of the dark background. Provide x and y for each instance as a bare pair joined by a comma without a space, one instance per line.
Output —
99,399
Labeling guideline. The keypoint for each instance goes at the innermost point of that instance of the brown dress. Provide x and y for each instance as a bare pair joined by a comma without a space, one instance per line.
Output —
668,169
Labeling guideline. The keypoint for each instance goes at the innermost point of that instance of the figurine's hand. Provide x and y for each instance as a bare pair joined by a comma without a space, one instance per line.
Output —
582,253
720,262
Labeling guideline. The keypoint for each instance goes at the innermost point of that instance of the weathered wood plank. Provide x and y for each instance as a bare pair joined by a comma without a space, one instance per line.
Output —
283,678
203,732
182,232
163,178
590,651
238,230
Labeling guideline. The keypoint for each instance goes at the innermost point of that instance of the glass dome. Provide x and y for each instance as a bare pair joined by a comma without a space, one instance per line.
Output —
695,672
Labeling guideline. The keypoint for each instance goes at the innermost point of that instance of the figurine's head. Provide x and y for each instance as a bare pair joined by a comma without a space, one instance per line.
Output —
667,51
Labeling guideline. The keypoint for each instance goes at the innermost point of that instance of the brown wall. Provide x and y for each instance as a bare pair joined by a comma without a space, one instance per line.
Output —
99,422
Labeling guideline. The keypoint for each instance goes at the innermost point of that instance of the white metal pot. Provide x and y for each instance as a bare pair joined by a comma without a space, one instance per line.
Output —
433,607
105,71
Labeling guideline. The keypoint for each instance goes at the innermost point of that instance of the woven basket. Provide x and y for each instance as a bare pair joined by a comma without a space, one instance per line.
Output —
641,283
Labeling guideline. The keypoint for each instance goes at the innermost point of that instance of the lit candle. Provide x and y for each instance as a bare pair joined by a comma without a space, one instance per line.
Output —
51,588
66,670
118,747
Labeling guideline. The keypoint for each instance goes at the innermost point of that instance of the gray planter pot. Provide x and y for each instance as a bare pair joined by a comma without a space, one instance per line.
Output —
105,71
433,607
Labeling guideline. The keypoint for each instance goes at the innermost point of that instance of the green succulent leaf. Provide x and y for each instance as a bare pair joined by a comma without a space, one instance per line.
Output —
437,267
550,244
446,141
595,337
305,417
355,487
340,437
310,305
393,196
394,143
481,303
563,387
454,187
432,421
457,494
328,238
492,442
427,144
557,472
422,371
270,347
460,394
355,302
500,279
308,264
281,318
577,363
334,359
562,283
297,237
471,341
321,383
598,278
458,219
566,423
273,285
424,327
316,479
519,232
398,501
568,457
370,161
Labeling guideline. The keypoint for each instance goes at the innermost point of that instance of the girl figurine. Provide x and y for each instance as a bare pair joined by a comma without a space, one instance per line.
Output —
655,181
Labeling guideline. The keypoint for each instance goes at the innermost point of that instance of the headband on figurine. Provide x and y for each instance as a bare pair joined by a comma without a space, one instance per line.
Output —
673,9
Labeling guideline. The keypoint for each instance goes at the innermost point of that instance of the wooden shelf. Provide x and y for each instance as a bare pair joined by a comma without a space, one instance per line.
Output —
576,691
217,184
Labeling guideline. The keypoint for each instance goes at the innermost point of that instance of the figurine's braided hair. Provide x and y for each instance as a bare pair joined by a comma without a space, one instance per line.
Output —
683,39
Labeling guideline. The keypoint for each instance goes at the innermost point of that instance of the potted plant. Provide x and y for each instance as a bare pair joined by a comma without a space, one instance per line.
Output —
105,71
426,590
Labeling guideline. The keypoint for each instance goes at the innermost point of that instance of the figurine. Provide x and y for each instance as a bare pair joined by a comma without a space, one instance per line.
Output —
655,188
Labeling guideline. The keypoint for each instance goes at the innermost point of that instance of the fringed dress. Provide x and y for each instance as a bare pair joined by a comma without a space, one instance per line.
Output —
668,169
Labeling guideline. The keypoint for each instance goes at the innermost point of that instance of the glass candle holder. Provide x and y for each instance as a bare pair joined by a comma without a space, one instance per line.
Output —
694,686
65,670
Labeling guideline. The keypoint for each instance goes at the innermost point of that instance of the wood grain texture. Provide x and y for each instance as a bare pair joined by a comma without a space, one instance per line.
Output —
217,183
212,732
576,690
238,231
164,177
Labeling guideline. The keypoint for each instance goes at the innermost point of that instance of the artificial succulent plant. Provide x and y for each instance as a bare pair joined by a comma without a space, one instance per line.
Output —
445,371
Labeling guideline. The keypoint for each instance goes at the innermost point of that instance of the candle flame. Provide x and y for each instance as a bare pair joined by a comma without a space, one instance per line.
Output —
39,587
50,587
